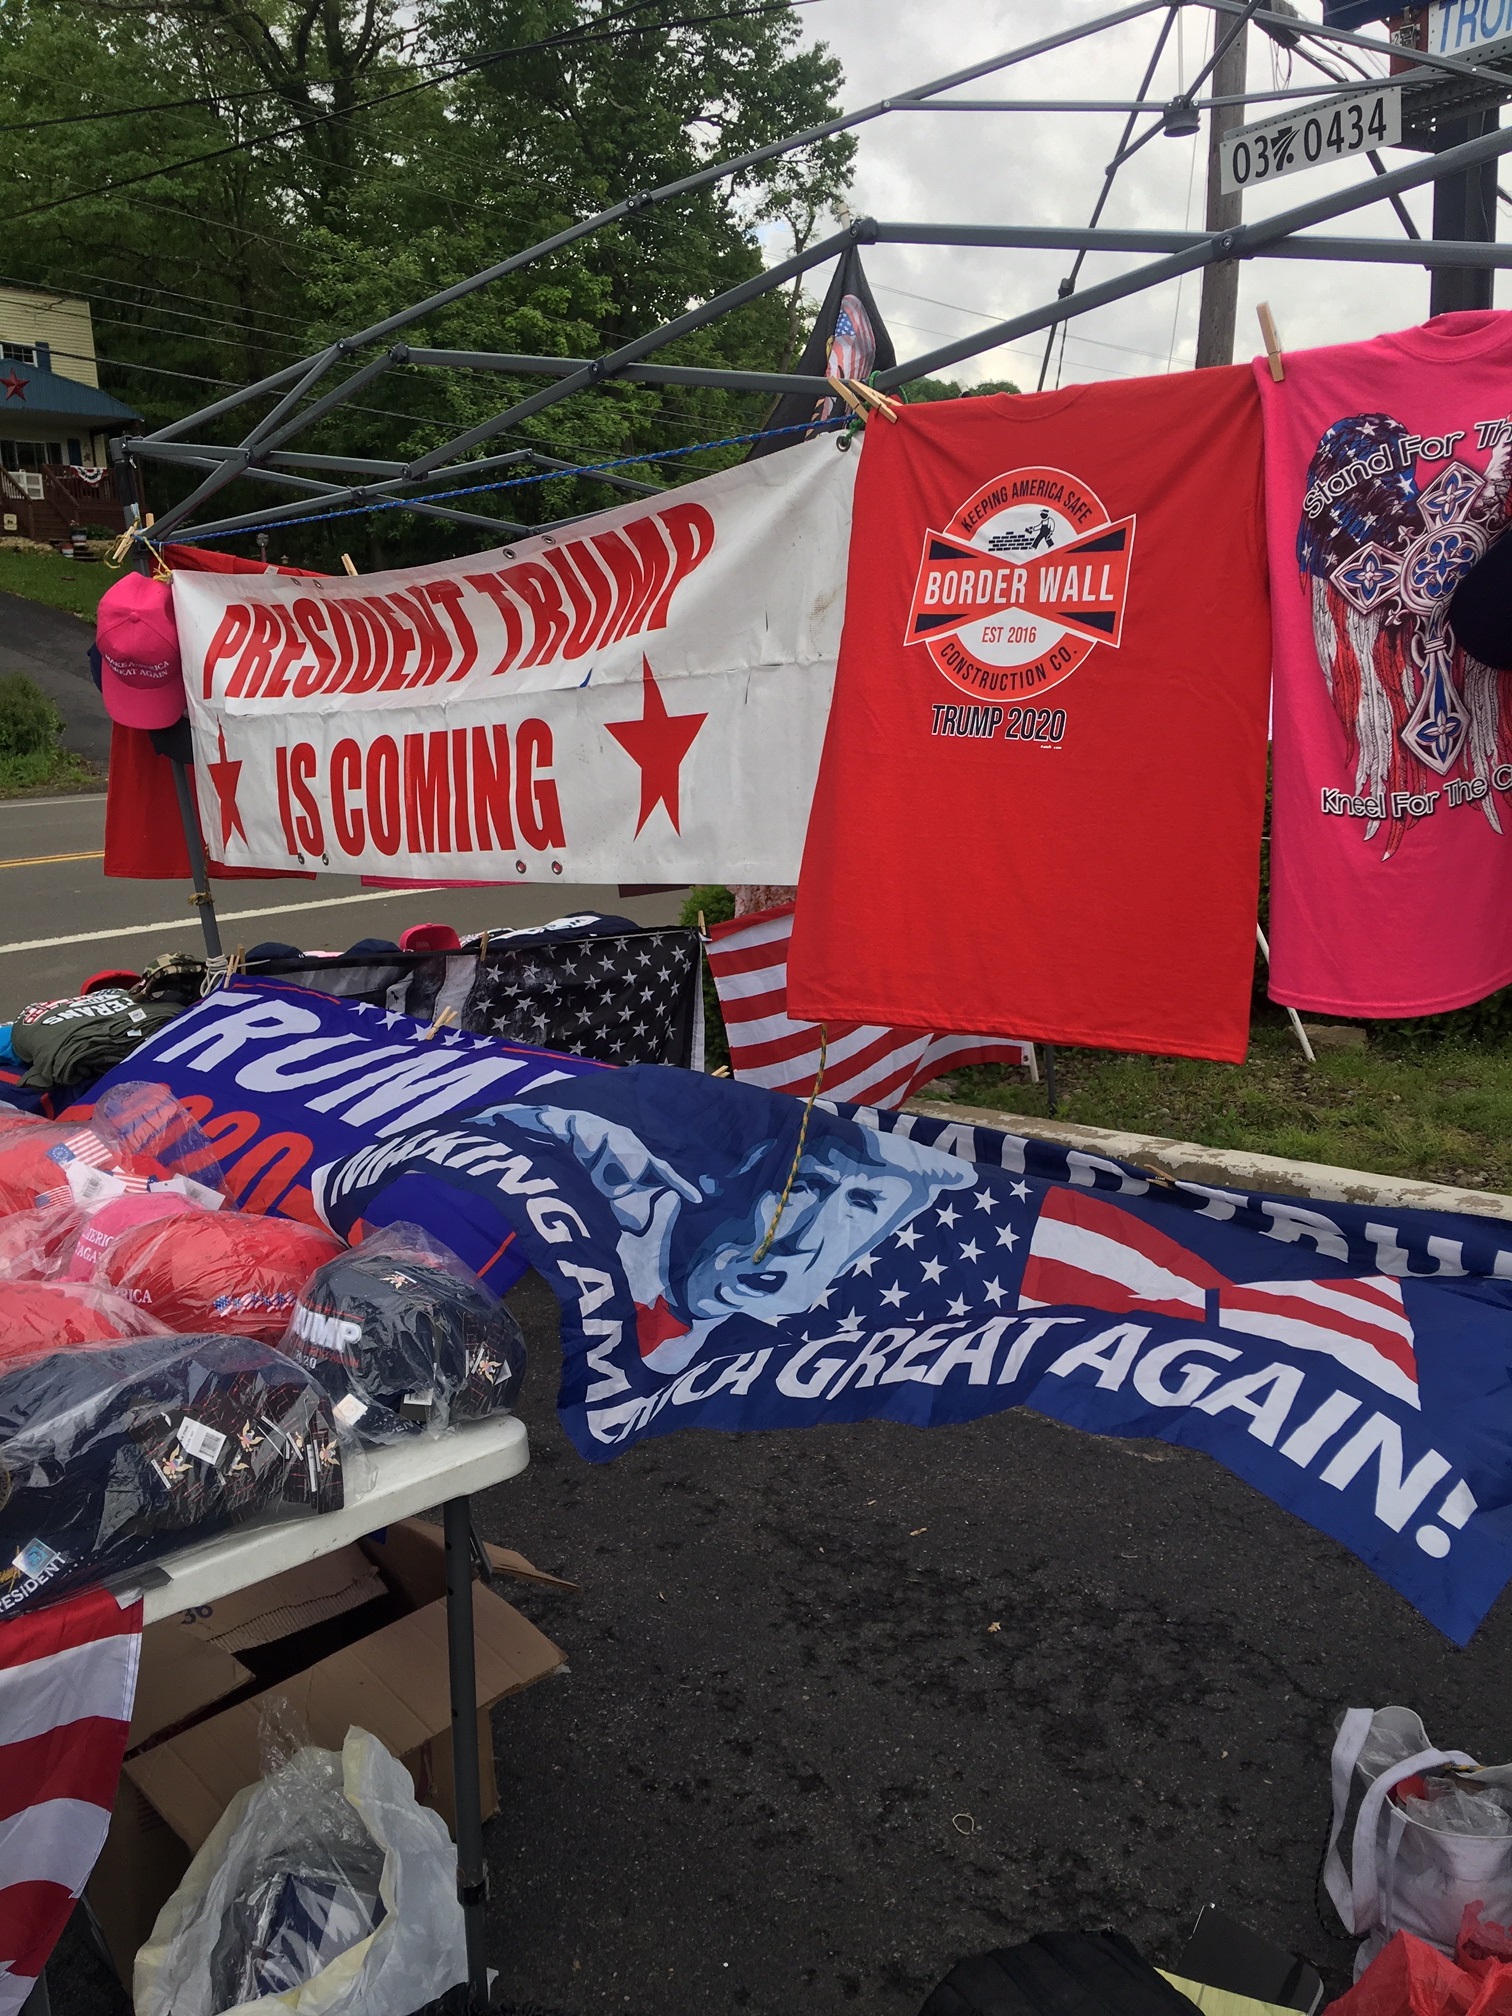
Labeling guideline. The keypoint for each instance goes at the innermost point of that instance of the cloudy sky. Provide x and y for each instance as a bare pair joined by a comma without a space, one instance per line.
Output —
1046,168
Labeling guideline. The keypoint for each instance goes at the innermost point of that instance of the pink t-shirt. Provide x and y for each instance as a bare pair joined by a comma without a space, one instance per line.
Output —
1388,467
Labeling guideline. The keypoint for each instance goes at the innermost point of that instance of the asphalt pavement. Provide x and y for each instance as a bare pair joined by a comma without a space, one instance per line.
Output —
52,649
60,920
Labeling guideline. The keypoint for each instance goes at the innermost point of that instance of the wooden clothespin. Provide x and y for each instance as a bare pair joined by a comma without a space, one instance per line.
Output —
348,563
1272,342
879,402
844,392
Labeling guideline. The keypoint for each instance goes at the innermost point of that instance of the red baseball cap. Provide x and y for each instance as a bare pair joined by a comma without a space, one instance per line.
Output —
141,673
217,1270
27,1168
38,1317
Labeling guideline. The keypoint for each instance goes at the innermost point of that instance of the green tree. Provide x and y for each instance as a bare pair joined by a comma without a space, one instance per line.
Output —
925,391
230,267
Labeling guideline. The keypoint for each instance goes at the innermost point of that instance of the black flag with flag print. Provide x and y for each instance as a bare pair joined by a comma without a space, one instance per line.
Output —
621,997
848,340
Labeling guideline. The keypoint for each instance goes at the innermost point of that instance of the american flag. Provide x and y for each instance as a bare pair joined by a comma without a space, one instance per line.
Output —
1088,1252
865,1065
622,998
68,1678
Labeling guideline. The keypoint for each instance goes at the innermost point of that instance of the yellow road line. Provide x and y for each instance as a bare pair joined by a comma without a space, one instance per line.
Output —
42,860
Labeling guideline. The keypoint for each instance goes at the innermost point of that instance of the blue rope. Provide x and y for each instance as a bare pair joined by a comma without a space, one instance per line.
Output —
187,532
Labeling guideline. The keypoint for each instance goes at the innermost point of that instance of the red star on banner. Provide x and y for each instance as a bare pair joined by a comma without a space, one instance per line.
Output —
223,776
14,383
658,742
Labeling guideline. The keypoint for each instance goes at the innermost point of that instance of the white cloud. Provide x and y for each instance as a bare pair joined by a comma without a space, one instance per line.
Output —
1046,168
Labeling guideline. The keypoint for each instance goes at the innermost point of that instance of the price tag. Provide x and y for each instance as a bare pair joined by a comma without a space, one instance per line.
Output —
1291,141
203,1443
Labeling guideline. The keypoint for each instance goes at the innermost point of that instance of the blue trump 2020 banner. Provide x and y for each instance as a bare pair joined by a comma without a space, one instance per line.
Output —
1353,1363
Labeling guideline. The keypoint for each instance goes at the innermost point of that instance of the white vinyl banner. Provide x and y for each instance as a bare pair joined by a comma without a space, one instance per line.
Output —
640,696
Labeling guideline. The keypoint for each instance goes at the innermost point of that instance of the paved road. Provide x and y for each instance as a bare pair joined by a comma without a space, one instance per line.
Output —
52,888
52,649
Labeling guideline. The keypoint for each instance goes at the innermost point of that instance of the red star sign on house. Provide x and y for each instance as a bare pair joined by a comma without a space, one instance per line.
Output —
224,775
658,742
14,383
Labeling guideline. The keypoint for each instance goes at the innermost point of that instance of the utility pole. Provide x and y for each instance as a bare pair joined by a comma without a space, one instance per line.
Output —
1464,206
1220,283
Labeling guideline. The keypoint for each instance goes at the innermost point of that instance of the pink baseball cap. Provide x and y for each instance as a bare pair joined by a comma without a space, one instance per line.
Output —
141,673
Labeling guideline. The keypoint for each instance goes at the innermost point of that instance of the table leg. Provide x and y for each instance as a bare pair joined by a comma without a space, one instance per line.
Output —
472,1872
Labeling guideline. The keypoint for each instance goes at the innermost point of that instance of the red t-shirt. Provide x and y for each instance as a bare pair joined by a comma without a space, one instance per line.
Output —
1039,806
144,836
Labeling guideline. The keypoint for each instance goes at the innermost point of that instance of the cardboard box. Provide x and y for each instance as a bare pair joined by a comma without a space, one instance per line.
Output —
376,1612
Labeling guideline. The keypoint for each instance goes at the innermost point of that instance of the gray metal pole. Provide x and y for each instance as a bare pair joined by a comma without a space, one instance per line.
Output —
1464,207
203,901
1220,283
472,1870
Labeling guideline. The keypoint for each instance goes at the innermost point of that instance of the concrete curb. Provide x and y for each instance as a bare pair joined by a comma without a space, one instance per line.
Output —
1231,1168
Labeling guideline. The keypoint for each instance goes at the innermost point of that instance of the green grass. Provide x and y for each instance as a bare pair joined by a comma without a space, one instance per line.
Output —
74,585
47,770
1441,1112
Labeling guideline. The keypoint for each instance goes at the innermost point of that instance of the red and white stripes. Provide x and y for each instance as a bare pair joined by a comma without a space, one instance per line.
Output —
68,1678
1089,1252
865,1065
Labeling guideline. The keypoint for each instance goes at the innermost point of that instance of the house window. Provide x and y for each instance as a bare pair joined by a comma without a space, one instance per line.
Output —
75,452
18,353
30,454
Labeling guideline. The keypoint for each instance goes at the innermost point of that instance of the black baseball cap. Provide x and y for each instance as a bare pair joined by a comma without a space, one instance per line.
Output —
402,1335
1480,609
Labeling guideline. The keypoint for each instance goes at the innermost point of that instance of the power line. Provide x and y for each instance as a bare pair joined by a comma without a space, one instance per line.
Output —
133,111
572,38
882,287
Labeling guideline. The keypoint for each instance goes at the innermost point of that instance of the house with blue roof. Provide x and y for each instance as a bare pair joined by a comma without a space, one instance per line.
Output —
55,421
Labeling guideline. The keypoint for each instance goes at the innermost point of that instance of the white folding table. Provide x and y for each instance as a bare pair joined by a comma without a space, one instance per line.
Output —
407,1478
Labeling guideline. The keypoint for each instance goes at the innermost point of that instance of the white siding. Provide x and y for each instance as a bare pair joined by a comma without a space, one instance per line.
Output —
28,316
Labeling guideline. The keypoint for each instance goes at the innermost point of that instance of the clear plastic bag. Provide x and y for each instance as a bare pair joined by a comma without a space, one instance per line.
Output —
1452,1808
138,1138
405,1338
223,1270
38,1245
115,1455
39,1317
326,1888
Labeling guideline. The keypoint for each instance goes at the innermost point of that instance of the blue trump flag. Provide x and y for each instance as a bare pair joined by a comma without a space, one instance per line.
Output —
1352,1364
283,1080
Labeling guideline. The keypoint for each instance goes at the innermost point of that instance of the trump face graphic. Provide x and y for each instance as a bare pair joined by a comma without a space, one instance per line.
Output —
689,1243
